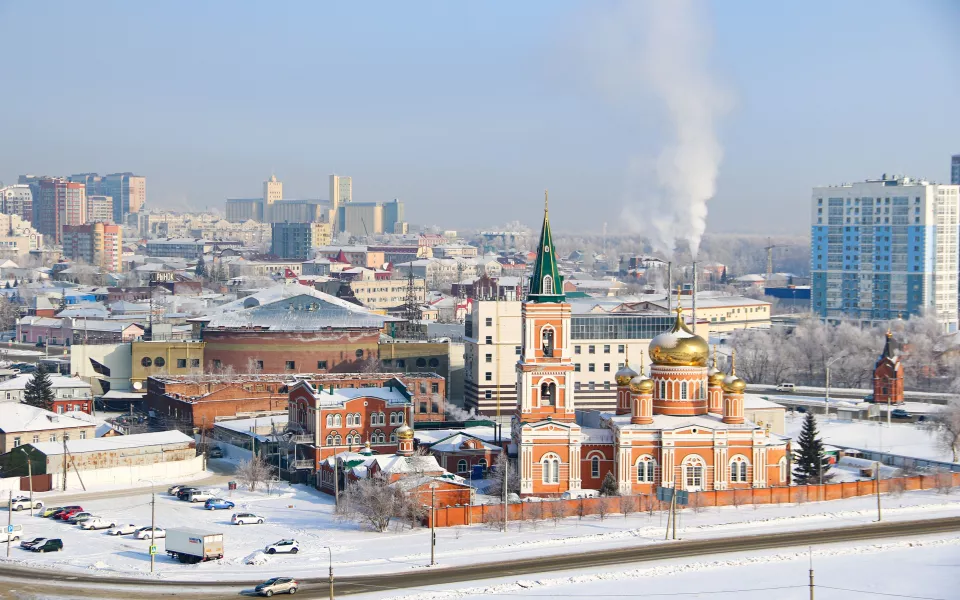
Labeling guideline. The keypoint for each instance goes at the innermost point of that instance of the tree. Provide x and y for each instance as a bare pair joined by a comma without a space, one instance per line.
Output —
201,268
496,474
811,463
39,390
945,427
254,472
372,501
9,313
609,486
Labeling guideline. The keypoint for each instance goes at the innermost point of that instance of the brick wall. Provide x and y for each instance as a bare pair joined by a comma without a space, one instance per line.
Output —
333,352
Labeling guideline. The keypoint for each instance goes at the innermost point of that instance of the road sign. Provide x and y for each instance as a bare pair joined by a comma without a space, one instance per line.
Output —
665,494
9,528
153,550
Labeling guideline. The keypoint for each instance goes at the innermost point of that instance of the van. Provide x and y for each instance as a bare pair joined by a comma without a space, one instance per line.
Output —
577,494
787,387
54,545
15,536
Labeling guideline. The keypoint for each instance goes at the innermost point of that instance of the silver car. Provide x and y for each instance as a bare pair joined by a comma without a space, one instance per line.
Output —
277,585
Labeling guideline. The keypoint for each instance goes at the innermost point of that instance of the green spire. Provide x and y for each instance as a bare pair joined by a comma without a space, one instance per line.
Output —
546,283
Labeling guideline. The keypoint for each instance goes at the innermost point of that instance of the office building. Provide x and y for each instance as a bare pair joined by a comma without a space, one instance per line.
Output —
244,209
393,216
955,169
17,200
99,208
60,203
883,248
129,193
92,182
341,191
97,244
360,218
298,240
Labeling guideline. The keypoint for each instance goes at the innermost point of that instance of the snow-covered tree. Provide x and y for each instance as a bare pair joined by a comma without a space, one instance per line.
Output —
945,427
609,486
39,390
810,463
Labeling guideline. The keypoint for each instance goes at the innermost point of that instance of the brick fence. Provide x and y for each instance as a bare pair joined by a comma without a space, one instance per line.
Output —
520,511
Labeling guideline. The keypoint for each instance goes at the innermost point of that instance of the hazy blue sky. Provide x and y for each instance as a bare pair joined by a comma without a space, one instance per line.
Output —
468,110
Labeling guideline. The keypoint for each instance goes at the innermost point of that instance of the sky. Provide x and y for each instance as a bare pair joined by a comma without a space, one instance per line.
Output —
467,111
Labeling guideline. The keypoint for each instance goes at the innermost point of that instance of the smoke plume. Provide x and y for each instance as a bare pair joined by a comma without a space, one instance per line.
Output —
655,52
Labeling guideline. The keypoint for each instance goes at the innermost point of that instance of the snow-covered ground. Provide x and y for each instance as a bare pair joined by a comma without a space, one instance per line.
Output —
307,515
924,568
908,439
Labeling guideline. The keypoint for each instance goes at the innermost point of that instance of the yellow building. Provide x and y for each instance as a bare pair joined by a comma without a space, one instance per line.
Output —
164,358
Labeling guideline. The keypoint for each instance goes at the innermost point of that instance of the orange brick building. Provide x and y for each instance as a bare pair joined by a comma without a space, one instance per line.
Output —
888,375
682,426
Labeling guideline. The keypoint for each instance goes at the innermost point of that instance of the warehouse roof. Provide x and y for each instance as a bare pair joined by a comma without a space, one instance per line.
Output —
107,444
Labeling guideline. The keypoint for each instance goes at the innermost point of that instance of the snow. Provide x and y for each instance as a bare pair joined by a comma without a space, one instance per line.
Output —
120,442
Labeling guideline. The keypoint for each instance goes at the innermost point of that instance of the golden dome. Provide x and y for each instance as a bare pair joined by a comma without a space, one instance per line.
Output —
405,432
716,377
624,375
641,384
734,385
679,347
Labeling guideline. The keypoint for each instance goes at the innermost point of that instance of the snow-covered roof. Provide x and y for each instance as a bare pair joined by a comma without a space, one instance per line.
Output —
429,436
394,463
409,483
56,381
16,417
670,423
454,442
42,321
107,444
251,426
754,401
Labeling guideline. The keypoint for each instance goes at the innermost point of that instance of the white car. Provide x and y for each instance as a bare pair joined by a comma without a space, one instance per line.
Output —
144,533
283,547
97,523
202,495
123,530
23,502
246,519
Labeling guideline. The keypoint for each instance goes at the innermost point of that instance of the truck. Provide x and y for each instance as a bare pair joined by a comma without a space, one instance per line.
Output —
194,545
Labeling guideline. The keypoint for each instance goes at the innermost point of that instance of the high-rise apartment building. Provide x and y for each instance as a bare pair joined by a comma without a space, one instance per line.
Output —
17,200
99,208
97,244
341,191
955,169
60,203
297,240
91,181
393,216
129,193
272,192
885,247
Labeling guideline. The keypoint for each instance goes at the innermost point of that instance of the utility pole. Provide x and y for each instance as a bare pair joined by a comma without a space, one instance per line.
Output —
153,525
330,553
9,521
673,506
433,517
64,461
811,573
203,440
506,507
29,476
336,482
877,477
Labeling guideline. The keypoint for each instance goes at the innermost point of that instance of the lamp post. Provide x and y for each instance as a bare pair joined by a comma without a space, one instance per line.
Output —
29,475
153,522
826,404
433,514
330,554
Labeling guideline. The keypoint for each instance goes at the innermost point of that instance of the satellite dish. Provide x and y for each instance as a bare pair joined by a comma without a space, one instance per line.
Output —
137,385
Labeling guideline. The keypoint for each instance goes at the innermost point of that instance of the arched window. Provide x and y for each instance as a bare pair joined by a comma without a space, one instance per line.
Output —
329,420
329,440
337,440
783,469
358,419
337,421
595,466
738,470
683,390
551,468
663,390
462,466
393,418
646,466
693,473
393,437
349,419
482,463
547,285
546,340
548,394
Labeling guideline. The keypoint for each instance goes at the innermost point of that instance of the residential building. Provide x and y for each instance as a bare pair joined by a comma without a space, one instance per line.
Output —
17,236
92,182
298,240
69,393
360,256
244,209
955,169
21,424
188,248
393,216
129,193
164,358
381,294
272,192
60,203
93,331
97,244
341,192
17,200
883,248
296,211
264,268
360,218
99,208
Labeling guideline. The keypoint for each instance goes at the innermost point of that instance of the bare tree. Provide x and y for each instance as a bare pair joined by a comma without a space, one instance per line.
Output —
254,472
603,507
738,498
945,427
493,516
372,501
496,474
627,503
534,513
254,366
943,482
557,512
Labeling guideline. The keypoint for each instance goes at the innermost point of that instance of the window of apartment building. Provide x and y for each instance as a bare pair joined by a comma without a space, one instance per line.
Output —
621,348
592,368
322,365
576,349
487,394
488,339
181,363
195,363
401,363
576,386
591,386
606,348
16,442
423,406
291,365
518,350
423,387
591,349
606,367
489,321
488,358
576,367
606,385
488,376
434,388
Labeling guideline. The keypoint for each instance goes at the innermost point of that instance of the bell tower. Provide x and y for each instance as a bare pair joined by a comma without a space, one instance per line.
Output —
545,368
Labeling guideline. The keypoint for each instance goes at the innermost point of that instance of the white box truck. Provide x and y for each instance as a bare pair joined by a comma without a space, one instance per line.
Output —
194,545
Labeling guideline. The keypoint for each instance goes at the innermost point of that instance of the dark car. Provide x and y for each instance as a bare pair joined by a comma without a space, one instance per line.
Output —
184,493
899,413
29,544
868,398
54,545
215,453
801,409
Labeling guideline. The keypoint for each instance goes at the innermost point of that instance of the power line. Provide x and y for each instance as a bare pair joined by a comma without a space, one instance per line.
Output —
876,593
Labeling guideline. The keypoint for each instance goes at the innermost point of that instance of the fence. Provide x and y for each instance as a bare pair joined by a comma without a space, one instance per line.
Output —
903,462
524,511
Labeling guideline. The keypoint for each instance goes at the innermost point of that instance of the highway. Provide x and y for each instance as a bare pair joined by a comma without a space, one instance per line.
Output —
20,580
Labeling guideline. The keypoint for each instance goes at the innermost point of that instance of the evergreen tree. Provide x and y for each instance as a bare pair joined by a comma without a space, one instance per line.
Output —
39,390
723,276
609,486
201,270
7,286
810,464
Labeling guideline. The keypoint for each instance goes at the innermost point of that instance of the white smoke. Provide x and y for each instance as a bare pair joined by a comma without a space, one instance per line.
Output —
458,414
657,50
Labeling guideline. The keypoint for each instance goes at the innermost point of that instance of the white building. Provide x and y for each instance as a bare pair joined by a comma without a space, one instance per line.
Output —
64,388
885,247
17,200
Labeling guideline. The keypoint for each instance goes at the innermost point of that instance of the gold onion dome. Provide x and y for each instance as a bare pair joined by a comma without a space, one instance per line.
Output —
641,384
716,376
624,375
734,385
679,347
405,432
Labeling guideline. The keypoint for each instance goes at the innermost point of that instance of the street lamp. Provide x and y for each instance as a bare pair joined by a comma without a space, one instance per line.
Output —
330,554
153,522
29,475
433,517
826,405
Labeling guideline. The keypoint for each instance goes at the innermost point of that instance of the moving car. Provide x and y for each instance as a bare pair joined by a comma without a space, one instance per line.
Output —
787,387
899,413
22,502
246,519
79,517
67,512
123,529
144,533
27,544
215,503
283,547
277,585
50,511
54,545
97,523
215,453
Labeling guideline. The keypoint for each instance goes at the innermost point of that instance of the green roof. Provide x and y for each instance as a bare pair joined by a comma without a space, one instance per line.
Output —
546,283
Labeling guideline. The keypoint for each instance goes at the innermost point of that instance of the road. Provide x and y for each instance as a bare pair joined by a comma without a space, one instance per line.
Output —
23,580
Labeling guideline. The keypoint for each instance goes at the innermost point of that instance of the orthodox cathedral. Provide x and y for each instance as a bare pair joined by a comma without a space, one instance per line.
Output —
680,425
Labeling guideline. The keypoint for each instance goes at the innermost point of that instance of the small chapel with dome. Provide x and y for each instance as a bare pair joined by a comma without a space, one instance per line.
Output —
678,423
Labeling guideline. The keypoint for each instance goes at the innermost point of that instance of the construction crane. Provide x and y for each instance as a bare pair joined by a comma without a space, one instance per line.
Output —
769,248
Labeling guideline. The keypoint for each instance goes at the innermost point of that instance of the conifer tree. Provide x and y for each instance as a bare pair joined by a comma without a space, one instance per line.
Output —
609,486
811,464
39,390
201,269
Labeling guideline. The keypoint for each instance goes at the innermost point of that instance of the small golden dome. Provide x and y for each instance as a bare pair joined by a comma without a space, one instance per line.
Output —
734,385
405,432
641,384
624,375
679,347
716,377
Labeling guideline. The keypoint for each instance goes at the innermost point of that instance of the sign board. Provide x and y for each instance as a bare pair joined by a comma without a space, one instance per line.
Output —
153,550
9,528
665,494
873,411
163,277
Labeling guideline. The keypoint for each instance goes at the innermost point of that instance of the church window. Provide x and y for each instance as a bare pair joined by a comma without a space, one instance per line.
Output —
546,340
337,440
663,389
551,468
693,473
482,463
645,469
329,440
738,470
393,437
350,420
783,469
337,421
548,394
547,285
683,390
329,420
595,466
462,466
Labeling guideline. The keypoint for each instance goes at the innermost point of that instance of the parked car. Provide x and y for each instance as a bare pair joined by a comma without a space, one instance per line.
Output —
122,529
97,523
53,545
246,519
184,492
27,544
899,413
201,495
577,494
217,503
79,517
173,489
50,511
144,533
868,398
14,536
801,409
277,585
68,512
23,502
283,547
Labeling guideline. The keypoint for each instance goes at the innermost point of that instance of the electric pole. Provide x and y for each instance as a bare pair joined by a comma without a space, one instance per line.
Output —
879,515
330,553
9,521
153,525
506,507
